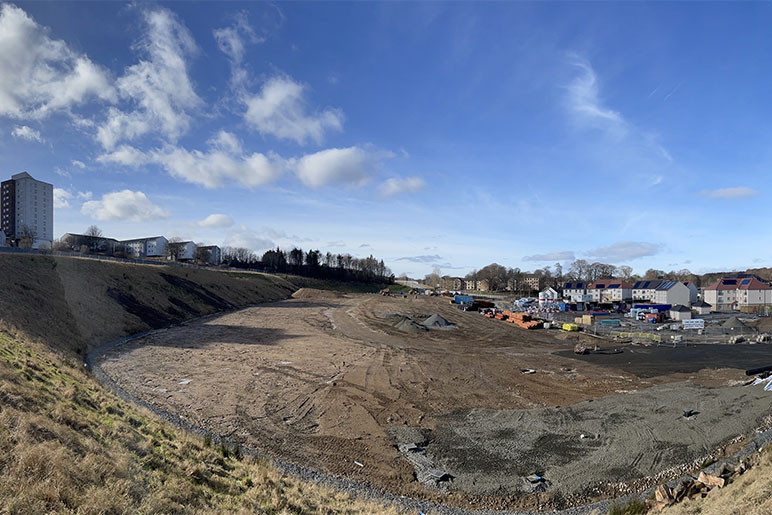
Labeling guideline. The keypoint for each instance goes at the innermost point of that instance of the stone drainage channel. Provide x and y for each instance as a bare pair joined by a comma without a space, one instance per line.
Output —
359,490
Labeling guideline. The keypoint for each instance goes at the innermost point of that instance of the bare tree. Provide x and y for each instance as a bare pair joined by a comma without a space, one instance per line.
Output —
203,255
94,238
625,272
174,248
26,237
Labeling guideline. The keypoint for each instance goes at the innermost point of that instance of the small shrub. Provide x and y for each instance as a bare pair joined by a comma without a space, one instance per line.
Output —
207,441
224,450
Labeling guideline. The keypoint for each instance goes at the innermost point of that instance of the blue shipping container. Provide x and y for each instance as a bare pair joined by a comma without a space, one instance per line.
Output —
463,299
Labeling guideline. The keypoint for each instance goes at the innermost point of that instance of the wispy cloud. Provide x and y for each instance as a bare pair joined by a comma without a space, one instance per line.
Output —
624,251
585,103
28,133
421,259
397,185
562,255
730,193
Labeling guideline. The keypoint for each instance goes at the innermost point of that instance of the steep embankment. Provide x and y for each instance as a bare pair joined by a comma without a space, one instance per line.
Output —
68,445
74,305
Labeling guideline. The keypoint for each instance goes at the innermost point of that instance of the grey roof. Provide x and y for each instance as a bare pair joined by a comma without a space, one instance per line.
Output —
652,284
680,308
701,304
666,285
141,239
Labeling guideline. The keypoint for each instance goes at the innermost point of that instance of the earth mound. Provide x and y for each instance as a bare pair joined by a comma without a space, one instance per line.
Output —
436,321
408,325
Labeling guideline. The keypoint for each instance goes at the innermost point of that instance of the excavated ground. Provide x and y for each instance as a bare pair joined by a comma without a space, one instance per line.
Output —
327,381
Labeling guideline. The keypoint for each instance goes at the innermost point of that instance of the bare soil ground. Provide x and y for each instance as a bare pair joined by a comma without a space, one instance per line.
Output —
327,381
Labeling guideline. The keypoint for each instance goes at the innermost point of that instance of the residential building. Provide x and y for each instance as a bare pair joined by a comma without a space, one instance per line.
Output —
646,291
548,295
606,291
693,291
672,292
214,256
27,208
2,238
575,292
533,282
746,294
186,252
146,247
680,312
482,285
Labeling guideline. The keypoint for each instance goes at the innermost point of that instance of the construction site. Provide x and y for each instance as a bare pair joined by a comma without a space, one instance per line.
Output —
486,406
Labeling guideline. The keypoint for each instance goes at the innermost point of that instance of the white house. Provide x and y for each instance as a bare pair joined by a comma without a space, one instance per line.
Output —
680,312
146,247
693,291
187,251
646,291
575,292
702,307
610,290
215,254
548,294
672,292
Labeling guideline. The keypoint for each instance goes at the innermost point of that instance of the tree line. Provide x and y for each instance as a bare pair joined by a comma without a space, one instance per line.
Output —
312,263
500,277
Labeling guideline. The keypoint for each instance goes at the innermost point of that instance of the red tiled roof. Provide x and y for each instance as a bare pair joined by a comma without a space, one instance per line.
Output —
735,284
754,284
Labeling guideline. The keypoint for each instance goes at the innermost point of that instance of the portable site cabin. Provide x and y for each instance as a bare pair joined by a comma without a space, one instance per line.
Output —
680,312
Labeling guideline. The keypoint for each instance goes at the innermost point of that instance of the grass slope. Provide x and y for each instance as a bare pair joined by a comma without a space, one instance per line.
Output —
69,445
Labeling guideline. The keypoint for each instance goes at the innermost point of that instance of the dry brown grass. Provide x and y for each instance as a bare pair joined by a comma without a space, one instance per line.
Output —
749,494
67,445
64,302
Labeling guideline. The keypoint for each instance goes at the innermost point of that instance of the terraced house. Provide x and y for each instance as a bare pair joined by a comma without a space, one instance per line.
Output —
747,294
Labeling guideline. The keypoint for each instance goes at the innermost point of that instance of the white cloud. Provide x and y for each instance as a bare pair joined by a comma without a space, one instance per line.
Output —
27,133
223,164
248,239
40,75
349,166
125,155
624,251
280,110
395,185
85,195
158,87
562,255
585,104
124,205
730,193
230,40
227,142
216,220
61,197
78,164
218,168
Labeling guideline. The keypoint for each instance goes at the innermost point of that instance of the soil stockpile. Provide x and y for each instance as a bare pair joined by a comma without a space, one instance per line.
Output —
408,325
325,384
436,321
734,323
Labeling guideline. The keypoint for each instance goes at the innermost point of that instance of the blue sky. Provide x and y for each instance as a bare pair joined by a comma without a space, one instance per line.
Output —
428,134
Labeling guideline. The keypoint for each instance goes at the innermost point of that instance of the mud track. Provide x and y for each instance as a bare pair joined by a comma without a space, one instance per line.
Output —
328,383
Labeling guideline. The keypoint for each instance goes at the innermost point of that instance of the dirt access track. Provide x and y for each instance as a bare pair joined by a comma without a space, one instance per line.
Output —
325,380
